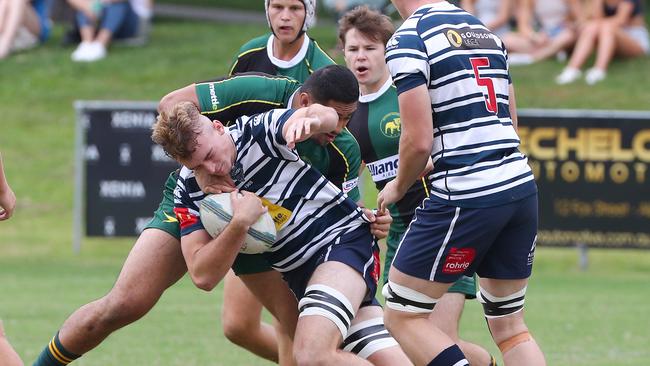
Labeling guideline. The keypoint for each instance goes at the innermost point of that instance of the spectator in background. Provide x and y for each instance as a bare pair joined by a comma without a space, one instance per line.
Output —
494,14
101,21
545,28
340,7
23,24
7,199
8,356
618,28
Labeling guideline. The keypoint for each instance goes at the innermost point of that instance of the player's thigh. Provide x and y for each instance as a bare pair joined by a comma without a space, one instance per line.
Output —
240,306
369,339
512,252
154,264
274,294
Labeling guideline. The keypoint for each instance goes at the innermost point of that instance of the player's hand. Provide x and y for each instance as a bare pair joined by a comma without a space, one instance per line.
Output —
300,130
390,194
214,183
247,208
379,222
7,203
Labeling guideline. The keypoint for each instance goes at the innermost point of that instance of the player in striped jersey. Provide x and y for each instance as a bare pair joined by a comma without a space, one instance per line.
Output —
457,106
287,50
338,160
156,262
324,248
376,126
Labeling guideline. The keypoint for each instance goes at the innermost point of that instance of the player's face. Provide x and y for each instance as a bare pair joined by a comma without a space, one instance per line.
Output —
286,17
344,110
215,151
365,58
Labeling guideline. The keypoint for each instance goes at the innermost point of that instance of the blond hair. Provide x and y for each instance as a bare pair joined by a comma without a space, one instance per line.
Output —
177,131
371,23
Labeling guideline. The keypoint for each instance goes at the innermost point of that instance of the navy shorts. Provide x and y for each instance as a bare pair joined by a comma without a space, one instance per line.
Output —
446,242
356,249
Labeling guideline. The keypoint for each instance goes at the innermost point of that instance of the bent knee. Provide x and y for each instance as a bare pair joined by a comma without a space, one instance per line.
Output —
507,327
308,357
236,331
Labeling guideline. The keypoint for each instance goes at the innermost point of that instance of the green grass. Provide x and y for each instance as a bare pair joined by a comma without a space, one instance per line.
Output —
596,317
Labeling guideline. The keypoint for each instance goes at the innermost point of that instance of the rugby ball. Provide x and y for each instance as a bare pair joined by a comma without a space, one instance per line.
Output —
216,213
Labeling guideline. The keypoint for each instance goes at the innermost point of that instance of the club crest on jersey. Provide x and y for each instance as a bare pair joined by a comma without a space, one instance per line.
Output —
237,172
391,125
392,43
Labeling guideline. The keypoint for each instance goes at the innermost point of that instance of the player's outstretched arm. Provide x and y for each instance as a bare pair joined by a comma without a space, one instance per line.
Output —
7,196
307,121
208,260
184,94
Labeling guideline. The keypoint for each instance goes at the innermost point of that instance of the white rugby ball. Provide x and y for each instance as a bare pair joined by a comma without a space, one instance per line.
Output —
216,213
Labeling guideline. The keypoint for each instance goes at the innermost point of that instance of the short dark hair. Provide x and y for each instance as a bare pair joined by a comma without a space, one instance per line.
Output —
332,83
372,24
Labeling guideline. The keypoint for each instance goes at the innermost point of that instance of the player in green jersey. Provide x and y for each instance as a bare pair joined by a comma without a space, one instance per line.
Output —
376,126
156,262
287,50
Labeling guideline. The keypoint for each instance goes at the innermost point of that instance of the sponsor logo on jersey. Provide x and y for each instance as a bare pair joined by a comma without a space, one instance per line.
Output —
458,260
121,189
349,185
213,97
468,38
391,125
128,119
454,38
279,214
383,169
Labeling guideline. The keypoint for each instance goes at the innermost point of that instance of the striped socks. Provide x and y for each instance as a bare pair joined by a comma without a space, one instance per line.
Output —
55,355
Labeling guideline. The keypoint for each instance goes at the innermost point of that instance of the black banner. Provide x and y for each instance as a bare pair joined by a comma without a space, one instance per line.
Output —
124,170
592,173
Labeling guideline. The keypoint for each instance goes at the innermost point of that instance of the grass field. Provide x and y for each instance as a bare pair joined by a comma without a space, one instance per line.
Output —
593,317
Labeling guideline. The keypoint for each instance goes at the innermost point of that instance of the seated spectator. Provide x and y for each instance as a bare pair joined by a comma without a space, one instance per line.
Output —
545,28
23,24
494,14
101,21
618,29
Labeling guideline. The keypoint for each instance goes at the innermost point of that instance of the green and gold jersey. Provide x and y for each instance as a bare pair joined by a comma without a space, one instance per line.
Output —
376,126
229,98
256,55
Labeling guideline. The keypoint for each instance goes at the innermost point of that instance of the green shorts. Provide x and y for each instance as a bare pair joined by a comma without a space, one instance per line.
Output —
164,218
465,285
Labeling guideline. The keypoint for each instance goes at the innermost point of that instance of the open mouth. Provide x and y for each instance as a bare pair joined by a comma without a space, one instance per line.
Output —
361,69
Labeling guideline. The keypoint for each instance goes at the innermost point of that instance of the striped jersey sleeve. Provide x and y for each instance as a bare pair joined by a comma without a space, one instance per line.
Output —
475,152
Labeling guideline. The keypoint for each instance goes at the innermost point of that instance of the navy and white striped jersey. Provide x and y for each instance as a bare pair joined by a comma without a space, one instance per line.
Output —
475,152
309,211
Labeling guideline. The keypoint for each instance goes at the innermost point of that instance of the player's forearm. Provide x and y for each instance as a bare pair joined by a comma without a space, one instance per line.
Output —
326,116
416,137
413,158
211,262
187,93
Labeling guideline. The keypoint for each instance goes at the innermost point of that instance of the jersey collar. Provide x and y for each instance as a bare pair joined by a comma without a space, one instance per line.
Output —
294,61
372,96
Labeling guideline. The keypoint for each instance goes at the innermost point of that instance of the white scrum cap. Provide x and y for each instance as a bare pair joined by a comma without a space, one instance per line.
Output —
310,13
